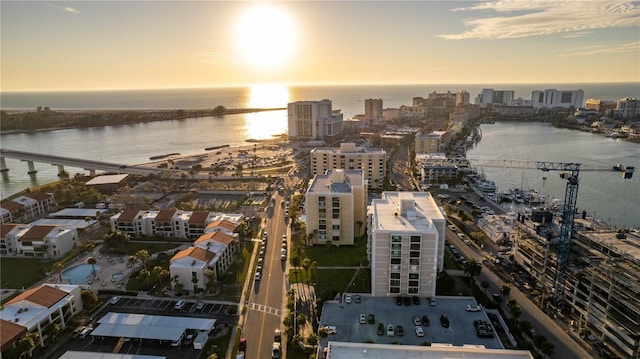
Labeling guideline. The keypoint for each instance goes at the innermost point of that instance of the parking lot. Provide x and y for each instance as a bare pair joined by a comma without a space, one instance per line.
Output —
345,318
152,306
167,307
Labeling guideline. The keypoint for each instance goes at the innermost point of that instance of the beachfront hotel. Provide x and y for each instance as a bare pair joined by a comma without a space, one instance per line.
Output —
406,244
372,162
313,120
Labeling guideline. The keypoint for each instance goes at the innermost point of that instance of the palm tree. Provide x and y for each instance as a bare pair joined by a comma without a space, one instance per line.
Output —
91,245
472,268
505,290
92,260
143,255
144,272
306,264
211,282
132,261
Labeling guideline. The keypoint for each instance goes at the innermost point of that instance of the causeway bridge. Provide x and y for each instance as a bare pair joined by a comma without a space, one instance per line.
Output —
60,161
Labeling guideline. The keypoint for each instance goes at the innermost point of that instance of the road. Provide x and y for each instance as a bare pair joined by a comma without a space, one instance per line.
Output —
565,346
264,309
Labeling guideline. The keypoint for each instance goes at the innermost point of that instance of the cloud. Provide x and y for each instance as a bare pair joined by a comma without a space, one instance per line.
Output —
596,50
544,17
72,10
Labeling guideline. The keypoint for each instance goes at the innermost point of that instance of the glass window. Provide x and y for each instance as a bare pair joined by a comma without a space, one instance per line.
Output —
413,283
413,275
395,275
414,261
414,254
415,246
395,260
394,282
415,239
396,239
394,290
413,290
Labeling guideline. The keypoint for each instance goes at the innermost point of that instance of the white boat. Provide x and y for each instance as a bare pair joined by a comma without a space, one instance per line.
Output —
533,197
486,186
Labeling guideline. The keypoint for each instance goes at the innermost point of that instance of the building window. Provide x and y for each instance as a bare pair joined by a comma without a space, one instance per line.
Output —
413,275
415,239
396,239
394,275
413,290
414,261
394,283
395,260
415,246
414,254
394,290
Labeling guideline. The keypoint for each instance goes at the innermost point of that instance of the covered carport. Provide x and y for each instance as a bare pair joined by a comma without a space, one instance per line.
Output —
150,327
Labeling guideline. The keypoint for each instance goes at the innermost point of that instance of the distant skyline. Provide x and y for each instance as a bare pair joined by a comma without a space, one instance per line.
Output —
100,45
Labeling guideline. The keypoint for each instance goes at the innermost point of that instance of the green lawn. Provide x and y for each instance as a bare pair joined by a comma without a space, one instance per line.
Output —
335,256
133,247
233,280
22,272
335,280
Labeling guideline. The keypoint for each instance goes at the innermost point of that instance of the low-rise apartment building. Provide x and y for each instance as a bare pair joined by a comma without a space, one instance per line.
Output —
37,310
37,241
431,142
27,207
406,244
169,223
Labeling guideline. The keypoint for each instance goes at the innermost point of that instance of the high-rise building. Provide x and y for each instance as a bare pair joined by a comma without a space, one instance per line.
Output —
495,97
628,107
372,108
336,207
313,120
551,98
372,161
406,244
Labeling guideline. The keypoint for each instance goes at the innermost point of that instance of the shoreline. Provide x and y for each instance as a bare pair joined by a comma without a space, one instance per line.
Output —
149,115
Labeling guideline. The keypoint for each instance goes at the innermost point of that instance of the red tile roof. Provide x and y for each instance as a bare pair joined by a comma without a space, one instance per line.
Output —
37,233
216,236
128,215
43,295
196,253
165,215
11,206
6,228
198,217
224,224
9,333
39,196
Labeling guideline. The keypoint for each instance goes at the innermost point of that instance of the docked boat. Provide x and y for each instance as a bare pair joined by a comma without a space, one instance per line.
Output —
504,197
486,186
533,197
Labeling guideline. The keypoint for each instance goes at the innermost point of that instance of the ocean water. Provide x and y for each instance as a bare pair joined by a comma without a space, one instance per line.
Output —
135,143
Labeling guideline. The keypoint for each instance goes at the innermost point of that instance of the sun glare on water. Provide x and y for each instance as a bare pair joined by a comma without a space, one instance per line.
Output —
265,37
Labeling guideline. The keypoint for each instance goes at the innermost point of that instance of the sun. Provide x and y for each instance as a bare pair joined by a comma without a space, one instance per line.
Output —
266,37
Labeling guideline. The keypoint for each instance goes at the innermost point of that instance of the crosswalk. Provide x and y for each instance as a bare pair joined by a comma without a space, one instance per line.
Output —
265,309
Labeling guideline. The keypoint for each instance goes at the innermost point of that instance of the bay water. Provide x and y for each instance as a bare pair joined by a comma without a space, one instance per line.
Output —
602,193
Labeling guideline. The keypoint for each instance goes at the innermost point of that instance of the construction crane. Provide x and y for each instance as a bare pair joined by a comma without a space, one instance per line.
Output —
570,172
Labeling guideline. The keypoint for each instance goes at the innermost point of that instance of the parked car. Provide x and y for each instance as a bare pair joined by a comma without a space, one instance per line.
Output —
391,331
357,298
277,337
400,331
416,320
453,228
419,331
415,300
398,300
371,319
347,298
380,330
472,308
257,276
242,346
444,320
425,321
179,304
433,302
115,299
407,301
199,306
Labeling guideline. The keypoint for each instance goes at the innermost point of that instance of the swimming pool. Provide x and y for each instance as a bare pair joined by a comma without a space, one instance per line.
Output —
117,276
79,274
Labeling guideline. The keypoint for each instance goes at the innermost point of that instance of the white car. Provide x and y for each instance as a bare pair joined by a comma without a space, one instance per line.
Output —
265,235
347,298
391,330
453,228
257,276
362,319
115,299
472,308
461,235
419,331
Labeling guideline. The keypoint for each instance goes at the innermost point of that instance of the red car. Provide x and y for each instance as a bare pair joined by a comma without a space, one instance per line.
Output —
242,346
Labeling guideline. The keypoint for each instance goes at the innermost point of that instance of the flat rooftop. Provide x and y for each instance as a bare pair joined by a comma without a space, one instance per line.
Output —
461,331
390,215
142,326
385,351
96,355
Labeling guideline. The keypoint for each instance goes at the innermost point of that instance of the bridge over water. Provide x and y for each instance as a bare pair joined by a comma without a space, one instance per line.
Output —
60,161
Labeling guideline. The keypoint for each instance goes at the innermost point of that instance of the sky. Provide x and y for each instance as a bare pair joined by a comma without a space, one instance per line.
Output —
103,45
